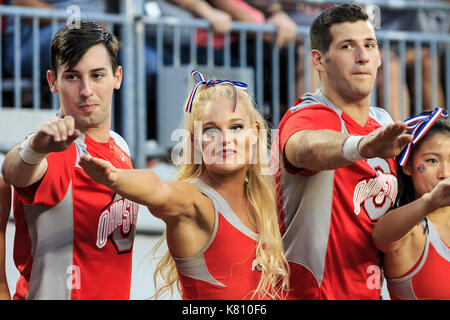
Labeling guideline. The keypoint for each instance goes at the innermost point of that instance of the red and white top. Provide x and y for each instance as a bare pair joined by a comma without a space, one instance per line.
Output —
429,278
327,217
74,237
226,268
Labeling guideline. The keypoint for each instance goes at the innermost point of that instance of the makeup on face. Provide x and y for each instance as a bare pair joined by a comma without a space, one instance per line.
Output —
421,168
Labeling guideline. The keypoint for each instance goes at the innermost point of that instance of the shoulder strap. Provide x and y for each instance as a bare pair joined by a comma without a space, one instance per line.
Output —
222,206
437,242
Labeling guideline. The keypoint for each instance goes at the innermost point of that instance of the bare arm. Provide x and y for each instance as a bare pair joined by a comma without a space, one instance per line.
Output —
319,150
165,200
54,136
5,205
242,12
189,216
220,21
286,27
316,150
391,231
32,3
19,174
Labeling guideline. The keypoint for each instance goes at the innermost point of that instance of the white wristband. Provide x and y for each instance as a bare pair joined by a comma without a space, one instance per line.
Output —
28,155
350,148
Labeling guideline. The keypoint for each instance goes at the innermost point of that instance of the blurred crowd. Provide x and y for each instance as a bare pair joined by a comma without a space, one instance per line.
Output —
285,16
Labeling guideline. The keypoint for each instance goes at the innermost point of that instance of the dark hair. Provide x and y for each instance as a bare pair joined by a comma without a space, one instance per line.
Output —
71,42
406,193
319,33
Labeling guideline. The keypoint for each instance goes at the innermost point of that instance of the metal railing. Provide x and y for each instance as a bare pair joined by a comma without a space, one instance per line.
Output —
18,84
393,4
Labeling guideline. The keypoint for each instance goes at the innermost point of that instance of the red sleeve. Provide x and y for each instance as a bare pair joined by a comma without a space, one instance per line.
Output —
54,185
314,117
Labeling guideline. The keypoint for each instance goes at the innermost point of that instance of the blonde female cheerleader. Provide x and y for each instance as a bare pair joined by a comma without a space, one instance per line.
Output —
415,237
221,223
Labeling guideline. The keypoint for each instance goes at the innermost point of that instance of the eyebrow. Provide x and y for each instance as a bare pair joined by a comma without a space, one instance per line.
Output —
233,120
353,40
431,153
90,71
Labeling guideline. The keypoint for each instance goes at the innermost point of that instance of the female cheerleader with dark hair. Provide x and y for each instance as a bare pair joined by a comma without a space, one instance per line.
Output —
415,236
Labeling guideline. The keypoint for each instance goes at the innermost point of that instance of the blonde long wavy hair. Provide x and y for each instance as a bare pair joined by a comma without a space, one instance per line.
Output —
260,190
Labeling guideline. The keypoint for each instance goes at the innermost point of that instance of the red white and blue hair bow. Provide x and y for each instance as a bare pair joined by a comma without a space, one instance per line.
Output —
420,124
202,81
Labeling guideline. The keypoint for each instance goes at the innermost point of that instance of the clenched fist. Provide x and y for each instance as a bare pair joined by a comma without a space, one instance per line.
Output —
56,135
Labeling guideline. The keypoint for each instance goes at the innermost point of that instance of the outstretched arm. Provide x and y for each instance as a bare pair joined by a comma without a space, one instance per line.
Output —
391,231
25,164
164,199
319,150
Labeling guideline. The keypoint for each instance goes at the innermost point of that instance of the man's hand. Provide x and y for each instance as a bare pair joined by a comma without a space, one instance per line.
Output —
55,136
385,142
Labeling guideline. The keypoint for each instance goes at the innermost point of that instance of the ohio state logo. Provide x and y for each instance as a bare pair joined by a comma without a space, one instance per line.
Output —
118,222
375,195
